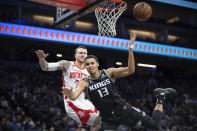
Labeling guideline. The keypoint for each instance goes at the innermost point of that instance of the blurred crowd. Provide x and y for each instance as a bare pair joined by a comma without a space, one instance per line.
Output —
31,99
179,111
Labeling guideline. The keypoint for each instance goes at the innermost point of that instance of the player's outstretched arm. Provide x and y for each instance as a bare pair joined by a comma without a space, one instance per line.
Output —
73,95
41,57
130,69
50,66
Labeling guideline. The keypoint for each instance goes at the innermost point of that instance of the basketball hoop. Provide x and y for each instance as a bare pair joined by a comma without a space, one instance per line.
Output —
107,15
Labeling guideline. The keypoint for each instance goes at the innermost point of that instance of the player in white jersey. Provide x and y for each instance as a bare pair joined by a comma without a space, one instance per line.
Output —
80,110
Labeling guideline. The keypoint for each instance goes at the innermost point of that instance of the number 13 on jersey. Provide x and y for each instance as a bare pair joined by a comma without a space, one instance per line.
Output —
103,92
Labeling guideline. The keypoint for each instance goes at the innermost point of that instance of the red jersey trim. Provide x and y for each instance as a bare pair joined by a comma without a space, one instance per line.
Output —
79,67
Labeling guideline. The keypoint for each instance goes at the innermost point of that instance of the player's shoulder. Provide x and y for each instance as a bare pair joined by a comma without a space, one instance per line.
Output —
110,70
64,65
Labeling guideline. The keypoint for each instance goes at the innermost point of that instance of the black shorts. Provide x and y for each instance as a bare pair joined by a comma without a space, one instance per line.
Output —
123,114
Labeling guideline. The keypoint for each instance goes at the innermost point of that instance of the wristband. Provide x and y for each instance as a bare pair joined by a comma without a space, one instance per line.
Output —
53,66
131,46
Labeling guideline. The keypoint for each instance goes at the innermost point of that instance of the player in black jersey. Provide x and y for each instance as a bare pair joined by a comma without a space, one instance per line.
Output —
114,109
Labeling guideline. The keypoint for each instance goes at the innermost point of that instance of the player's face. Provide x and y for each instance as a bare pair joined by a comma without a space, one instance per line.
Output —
81,54
91,65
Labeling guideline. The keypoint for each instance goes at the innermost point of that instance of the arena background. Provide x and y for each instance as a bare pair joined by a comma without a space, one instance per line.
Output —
31,98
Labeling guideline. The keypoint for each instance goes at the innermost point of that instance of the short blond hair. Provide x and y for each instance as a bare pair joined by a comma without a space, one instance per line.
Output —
81,46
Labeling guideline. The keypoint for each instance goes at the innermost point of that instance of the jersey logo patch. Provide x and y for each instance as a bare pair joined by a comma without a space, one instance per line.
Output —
90,81
103,75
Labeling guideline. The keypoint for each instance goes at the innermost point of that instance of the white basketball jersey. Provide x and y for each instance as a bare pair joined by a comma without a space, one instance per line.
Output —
72,77
81,109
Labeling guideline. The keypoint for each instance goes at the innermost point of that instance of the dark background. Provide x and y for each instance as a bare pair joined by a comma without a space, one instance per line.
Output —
35,95
22,12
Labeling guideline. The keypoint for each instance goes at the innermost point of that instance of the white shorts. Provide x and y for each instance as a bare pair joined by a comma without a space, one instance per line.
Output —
82,111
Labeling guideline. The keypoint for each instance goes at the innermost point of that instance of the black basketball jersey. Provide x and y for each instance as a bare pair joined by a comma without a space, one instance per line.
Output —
103,94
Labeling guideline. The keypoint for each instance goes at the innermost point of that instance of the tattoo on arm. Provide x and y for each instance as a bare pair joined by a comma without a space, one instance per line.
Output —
43,64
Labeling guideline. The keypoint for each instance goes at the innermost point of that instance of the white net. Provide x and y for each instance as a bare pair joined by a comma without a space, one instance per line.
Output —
107,15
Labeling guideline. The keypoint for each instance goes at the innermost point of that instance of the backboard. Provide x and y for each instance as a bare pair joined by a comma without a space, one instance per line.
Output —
70,10
66,16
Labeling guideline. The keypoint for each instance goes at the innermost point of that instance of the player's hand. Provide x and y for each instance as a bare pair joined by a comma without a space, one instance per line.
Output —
66,91
40,54
132,38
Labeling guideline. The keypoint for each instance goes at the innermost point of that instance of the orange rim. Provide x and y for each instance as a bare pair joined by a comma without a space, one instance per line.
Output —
115,1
